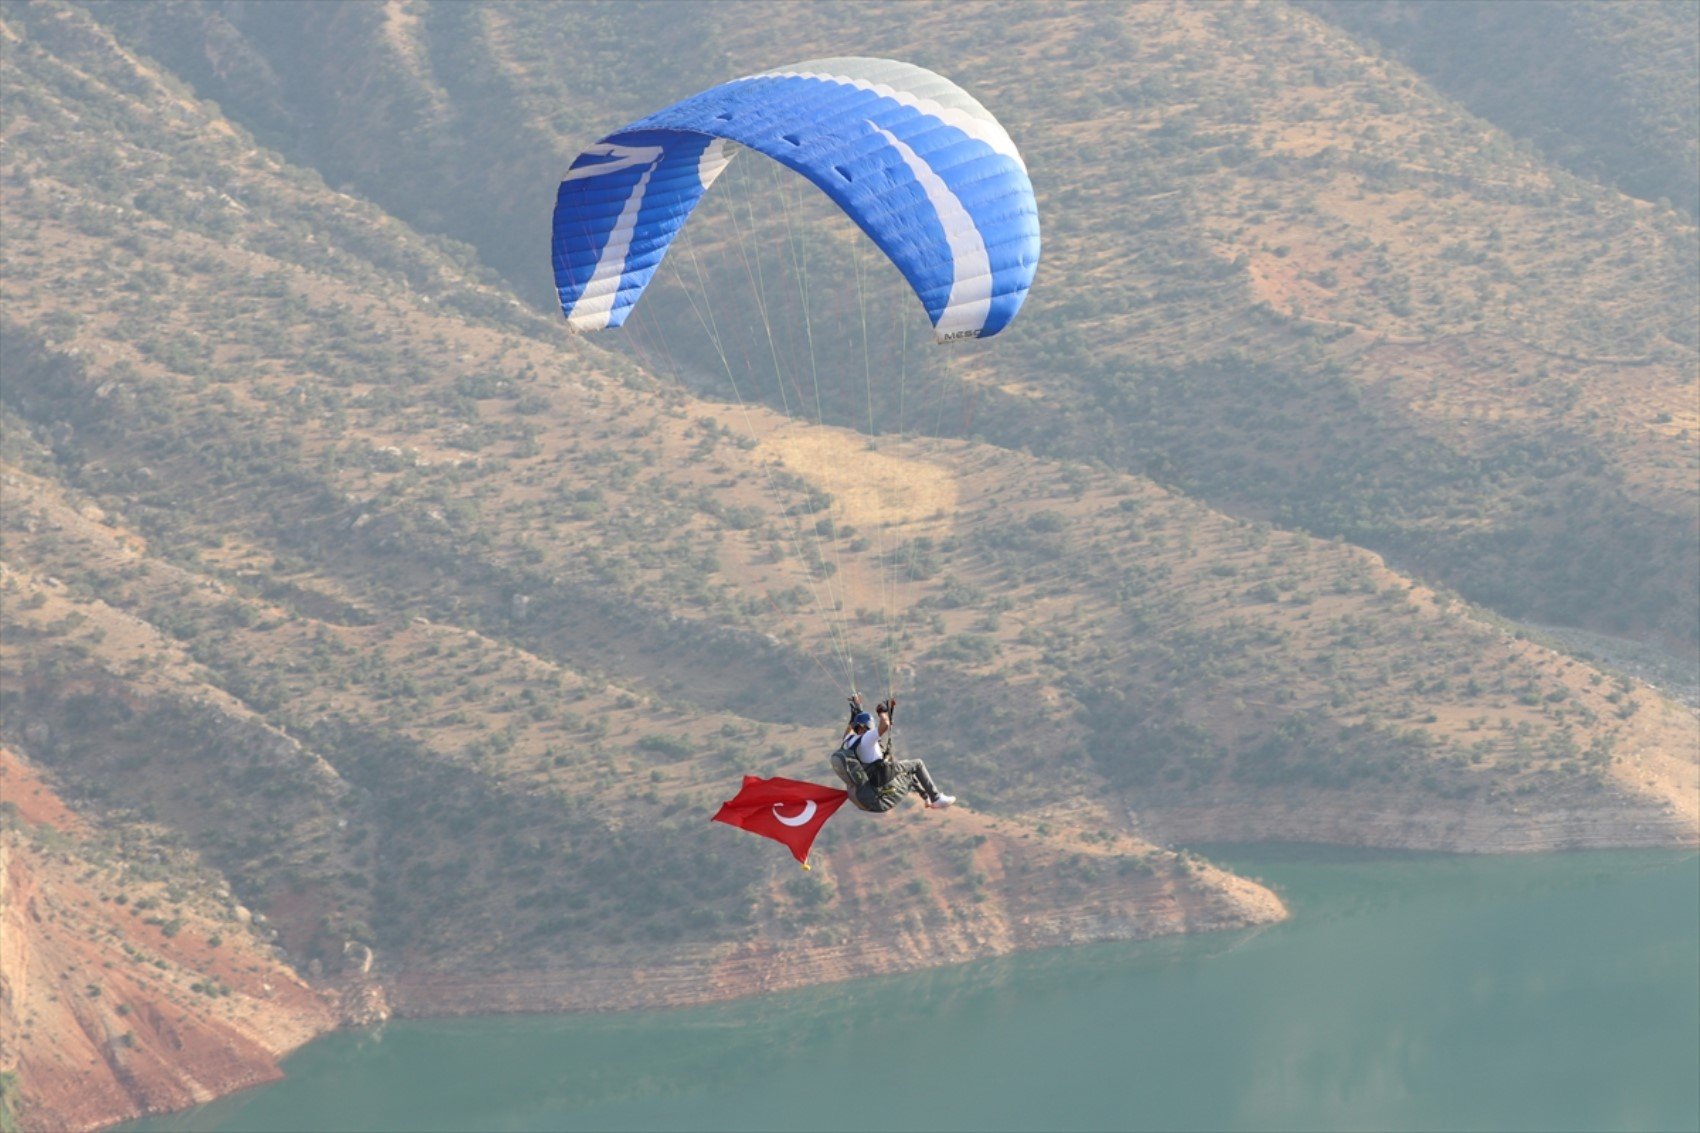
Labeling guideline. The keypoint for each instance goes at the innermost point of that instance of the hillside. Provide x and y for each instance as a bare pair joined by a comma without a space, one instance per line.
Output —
131,980
433,635
1610,92
1281,274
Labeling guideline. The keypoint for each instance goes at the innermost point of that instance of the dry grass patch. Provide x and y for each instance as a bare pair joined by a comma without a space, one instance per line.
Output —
869,487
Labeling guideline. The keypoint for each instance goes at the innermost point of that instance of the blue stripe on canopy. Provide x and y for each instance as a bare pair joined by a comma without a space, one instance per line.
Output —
921,167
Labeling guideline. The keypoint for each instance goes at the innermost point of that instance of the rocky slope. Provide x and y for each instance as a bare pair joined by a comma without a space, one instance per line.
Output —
978,882
1315,289
352,587
120,993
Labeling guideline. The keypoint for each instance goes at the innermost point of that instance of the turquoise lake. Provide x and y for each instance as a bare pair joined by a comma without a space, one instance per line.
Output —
1424,992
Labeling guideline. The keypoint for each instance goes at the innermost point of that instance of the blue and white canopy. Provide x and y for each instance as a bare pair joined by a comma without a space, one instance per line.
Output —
923,168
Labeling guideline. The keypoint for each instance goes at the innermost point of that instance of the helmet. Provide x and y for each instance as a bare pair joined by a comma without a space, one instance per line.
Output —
861,720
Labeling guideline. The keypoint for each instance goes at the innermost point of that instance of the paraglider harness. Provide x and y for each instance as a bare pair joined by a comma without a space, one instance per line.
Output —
874,787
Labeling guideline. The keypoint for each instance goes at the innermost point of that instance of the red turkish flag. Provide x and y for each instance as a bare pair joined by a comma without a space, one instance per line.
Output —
786,810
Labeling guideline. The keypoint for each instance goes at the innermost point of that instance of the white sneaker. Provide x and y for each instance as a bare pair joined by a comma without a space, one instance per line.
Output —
942,802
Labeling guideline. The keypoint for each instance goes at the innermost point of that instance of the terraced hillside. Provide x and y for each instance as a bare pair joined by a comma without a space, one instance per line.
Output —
434,634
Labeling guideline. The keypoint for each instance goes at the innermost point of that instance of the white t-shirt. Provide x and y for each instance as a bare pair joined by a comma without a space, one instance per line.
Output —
868,751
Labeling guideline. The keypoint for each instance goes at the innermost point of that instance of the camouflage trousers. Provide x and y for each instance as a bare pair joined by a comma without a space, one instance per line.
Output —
917,772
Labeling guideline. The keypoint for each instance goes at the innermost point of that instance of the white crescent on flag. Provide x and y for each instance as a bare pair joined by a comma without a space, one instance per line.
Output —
808,813
790,811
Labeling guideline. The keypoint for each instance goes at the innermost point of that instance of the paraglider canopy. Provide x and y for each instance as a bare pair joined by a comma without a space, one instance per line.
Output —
925,170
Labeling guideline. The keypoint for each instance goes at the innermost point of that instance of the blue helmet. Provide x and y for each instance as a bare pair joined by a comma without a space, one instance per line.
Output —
861,720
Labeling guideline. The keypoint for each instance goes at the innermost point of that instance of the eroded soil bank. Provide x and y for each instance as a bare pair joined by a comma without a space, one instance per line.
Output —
109,1011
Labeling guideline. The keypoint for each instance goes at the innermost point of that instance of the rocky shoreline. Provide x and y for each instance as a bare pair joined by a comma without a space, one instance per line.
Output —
107,1014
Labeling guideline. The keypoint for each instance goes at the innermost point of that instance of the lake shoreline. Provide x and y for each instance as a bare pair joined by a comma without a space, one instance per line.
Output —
1407,910
1214,900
